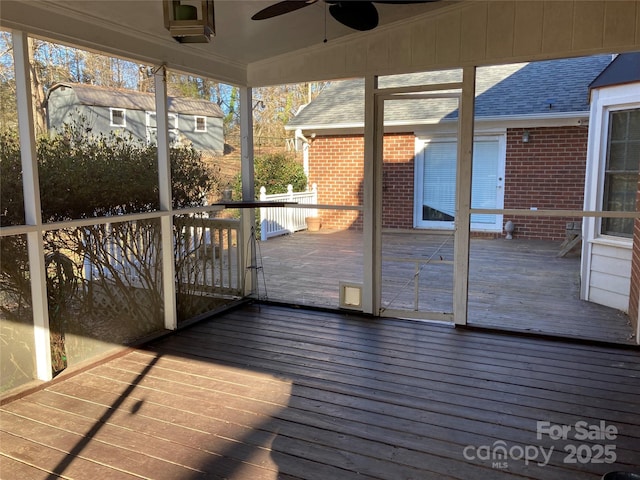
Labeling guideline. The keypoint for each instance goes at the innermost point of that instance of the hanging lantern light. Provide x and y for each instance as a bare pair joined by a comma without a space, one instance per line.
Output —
189,21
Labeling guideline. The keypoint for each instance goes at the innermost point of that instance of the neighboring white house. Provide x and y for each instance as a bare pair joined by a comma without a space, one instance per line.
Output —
611,183
105,110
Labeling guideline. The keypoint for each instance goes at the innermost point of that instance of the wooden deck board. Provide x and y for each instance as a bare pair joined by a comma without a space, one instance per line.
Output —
514,285
23,458
266,392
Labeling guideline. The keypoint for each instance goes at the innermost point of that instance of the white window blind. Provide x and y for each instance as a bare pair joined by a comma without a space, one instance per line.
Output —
439,180
484,193
439,187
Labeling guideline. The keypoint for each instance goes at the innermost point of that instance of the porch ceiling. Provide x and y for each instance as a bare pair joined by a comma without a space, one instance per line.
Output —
290,48
135,29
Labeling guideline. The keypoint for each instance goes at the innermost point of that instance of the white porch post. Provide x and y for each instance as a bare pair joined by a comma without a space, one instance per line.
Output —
372,200
463,197
166,203
32,210
247,215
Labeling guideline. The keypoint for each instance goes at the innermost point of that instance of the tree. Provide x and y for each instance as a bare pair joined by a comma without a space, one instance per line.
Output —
225,96
275,172
51,63
84,176
8,110
276,105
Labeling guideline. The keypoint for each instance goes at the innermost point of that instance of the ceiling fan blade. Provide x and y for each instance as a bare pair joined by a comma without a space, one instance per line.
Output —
403,2
361,15
281,8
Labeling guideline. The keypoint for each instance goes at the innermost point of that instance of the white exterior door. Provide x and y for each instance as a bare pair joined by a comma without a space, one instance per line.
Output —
435,183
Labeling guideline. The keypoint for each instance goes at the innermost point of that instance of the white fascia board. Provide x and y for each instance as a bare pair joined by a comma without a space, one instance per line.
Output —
561,119
324,126
498,122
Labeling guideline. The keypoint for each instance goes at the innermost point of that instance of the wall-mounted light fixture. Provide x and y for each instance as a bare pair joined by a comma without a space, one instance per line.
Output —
525,136
189,21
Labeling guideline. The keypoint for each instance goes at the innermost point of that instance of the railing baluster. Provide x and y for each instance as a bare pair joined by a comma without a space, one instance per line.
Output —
228,256
209,261
416,287
279,221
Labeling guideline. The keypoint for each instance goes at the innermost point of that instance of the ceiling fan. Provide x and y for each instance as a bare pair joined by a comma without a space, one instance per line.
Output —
360,15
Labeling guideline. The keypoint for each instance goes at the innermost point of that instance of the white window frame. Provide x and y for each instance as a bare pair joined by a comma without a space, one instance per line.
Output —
175,130
606,143
173,126
603,102
124,117
608,100
421,140
204,120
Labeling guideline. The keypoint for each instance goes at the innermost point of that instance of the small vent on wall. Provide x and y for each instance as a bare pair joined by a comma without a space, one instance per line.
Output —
351,296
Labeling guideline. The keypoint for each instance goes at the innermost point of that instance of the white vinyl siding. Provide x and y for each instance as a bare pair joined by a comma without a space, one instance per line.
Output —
610,276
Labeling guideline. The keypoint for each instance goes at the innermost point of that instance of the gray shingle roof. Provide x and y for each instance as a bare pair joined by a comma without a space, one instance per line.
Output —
624,69
132,100
514,90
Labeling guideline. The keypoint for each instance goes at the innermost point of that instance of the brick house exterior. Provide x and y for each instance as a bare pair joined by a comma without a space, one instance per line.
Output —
548,100
547,173
558,167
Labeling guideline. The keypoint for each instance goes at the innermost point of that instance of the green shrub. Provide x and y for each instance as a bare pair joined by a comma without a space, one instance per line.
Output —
275,172
85,176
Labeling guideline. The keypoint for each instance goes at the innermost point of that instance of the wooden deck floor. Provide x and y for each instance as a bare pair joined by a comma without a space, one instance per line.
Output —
266,392
515,285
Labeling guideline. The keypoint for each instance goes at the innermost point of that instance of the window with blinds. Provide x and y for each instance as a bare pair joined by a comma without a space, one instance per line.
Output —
438,183
621,171
484,181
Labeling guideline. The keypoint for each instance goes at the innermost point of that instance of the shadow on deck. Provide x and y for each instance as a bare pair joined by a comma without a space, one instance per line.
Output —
265,392
518,285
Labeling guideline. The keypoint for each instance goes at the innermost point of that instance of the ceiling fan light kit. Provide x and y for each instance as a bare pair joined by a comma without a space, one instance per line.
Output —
359,15
189,21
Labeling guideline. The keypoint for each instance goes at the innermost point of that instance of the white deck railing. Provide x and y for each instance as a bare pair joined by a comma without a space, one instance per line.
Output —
207,255
128,250
276,221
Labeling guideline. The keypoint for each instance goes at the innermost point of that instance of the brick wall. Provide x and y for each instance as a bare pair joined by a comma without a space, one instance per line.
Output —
397,181
547,173
336,166
634,294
